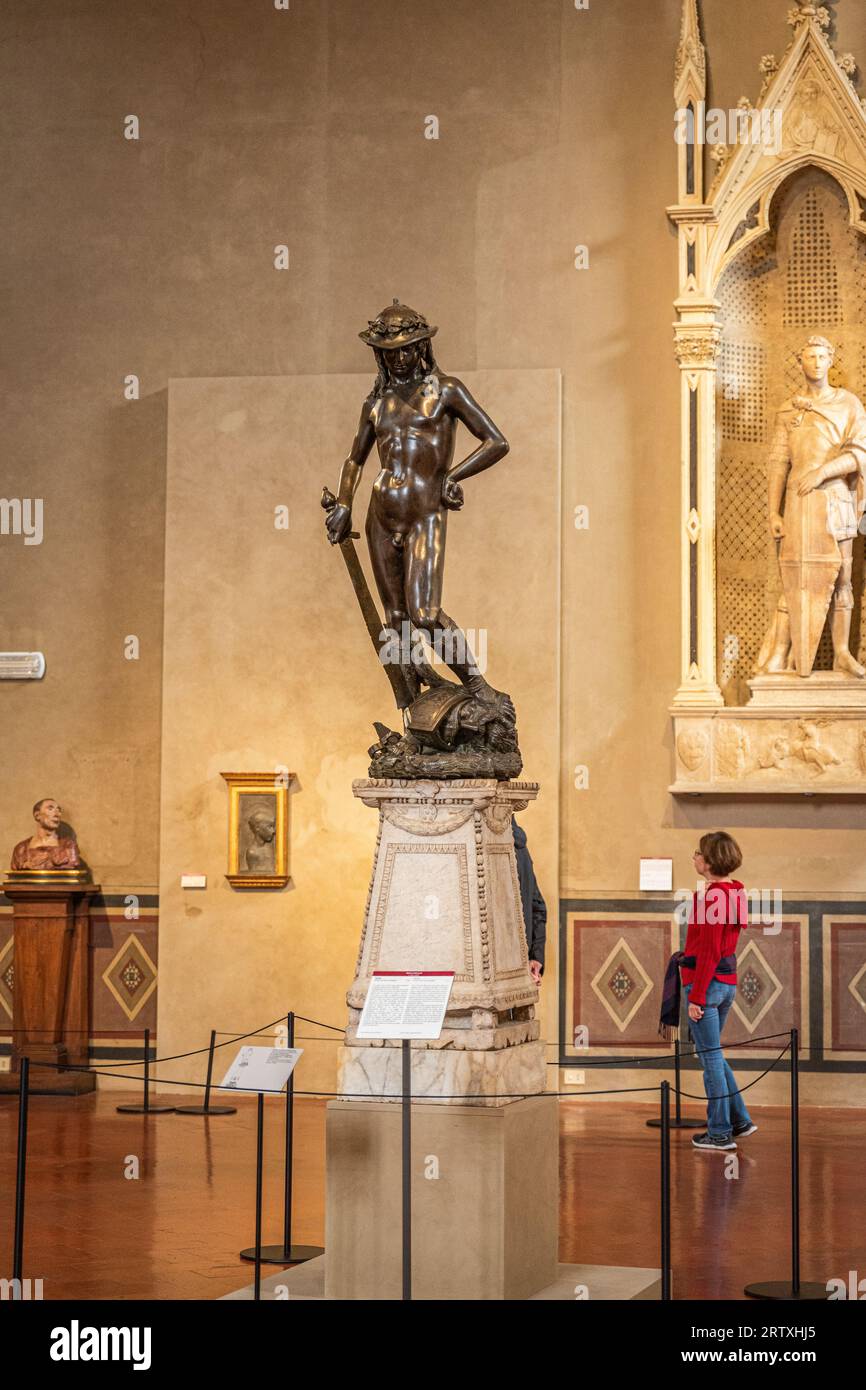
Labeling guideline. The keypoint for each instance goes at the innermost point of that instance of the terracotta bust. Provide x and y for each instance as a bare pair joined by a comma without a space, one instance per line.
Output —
45,849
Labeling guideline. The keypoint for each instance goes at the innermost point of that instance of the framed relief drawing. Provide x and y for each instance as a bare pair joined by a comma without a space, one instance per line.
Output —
258,829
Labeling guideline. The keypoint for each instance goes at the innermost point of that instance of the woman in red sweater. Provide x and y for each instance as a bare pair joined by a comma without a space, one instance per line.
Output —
709,977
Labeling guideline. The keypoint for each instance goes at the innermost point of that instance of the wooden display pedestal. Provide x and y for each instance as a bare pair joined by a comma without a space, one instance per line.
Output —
51,994
485,1208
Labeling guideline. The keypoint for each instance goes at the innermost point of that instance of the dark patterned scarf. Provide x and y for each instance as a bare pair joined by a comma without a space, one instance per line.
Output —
669,1018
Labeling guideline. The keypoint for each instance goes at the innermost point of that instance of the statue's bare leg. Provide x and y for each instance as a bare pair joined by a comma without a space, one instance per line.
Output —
388,554
387,558
779,659
425,564
840,616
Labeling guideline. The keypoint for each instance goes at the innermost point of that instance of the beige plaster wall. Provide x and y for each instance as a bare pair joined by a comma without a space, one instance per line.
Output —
268,664
155,257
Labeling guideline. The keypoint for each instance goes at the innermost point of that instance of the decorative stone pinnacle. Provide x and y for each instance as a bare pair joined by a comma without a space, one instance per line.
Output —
690,46
806,11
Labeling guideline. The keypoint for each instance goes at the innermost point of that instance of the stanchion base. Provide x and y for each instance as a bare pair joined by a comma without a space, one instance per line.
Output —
678,1124
276,1254
205,1110
144,1109
782,1290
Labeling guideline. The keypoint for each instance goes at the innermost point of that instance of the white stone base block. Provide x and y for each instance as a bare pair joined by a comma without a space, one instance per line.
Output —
603,1283
820,691
482,1077
485,1200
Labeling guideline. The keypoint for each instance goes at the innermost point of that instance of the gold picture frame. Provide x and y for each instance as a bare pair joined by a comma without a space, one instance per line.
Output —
258,828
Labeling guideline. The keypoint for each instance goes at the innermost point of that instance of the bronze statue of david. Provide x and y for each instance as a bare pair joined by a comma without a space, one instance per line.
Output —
411,415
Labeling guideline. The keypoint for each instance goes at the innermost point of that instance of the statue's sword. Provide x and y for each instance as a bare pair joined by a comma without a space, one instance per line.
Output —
370,613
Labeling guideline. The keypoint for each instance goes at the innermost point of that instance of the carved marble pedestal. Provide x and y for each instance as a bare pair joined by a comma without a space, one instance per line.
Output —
444,895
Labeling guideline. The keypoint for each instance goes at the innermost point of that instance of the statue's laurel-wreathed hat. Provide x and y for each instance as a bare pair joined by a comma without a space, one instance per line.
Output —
396,327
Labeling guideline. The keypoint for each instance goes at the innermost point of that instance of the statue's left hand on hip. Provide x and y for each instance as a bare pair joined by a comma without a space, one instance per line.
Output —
452,495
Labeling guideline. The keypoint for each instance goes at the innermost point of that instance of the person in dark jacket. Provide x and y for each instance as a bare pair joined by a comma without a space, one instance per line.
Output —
534,906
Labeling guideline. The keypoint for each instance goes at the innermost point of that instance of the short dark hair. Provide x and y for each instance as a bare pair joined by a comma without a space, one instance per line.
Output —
721,853
38,803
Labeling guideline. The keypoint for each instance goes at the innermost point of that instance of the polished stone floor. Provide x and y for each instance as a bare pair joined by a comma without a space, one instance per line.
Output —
174,1230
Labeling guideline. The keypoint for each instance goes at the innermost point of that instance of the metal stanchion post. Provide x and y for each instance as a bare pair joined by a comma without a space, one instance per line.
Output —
407,1169
21,1173
207,1108
678,1122
146,1108
784,1290
260,1143
286,1253
665,1126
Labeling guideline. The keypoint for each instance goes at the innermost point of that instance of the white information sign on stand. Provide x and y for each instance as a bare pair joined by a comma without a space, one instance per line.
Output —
656,875
406,1004
261,1068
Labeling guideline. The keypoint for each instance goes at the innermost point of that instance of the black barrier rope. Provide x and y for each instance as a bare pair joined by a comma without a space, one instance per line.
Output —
352,1095
727,1096
319,1024
332,1027
620,1090
156,1080
585,1063
312,1037
316,1022
109,1068
220,1032
617,1061
231,1034
659,1057
198,1051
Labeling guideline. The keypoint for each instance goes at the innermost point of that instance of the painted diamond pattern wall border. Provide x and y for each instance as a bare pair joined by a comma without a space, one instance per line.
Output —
857,986
758,986
621,985
7,975
131,976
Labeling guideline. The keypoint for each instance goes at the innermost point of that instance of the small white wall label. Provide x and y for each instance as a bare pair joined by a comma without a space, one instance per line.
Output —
656,875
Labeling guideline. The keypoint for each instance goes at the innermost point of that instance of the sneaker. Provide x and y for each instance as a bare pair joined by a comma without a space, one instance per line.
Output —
703,1141
740,1131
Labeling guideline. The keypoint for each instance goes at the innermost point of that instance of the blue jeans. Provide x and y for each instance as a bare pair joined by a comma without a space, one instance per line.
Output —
725,1105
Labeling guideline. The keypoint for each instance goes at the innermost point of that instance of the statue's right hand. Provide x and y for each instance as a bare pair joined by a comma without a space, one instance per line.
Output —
777,526
338,523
